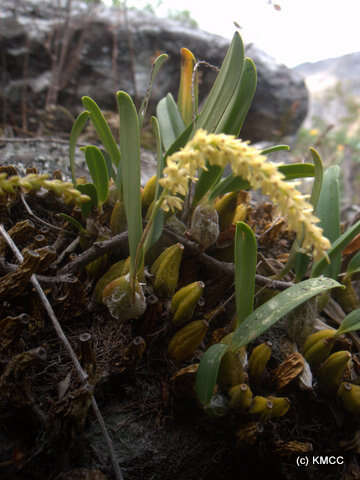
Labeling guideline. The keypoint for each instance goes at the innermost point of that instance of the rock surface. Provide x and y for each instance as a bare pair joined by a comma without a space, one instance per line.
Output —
108,50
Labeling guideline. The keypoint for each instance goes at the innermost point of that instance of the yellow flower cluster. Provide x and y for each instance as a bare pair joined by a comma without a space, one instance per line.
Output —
245,161
35,182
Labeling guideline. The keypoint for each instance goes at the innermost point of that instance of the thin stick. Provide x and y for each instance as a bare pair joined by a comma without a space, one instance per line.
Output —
224,268
32,214
118,242
81,373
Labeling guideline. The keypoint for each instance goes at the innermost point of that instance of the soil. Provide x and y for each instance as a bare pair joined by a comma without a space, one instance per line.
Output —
158,428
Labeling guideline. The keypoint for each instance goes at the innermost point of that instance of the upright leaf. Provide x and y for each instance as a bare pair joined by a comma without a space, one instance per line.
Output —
207,373
245,255
102,129
224,86
98,170
185,96
157,64
90,190
76,130
208,178
158,223
301,260
130,170
328,211
336,248
170,121
235,113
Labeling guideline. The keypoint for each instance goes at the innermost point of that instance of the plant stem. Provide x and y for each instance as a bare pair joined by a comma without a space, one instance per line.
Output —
140,248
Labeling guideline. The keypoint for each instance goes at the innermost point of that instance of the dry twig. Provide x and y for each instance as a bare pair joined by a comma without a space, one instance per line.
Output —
80,371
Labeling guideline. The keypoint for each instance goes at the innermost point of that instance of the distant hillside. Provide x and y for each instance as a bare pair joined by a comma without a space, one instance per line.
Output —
334,86
333,121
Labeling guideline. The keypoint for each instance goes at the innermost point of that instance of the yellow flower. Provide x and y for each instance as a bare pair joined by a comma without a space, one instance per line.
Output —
35,182
247,162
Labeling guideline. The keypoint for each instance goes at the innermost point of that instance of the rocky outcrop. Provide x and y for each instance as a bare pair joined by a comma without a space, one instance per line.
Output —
47,57
334,88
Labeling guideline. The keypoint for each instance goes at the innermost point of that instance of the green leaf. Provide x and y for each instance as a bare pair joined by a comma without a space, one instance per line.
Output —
170,121
318,177
98,170
207,179
350,323
297,170
328,211
76,130
230,183
233,183
245,255
241,100
158,224
338,246
207,373
130,170
222,97
302,260
180,141
276,148
90,190
274,309
354,265
102,129
110,167
224,86
72,221
157,64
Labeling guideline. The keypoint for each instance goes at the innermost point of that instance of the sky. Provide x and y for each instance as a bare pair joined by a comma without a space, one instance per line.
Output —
291,31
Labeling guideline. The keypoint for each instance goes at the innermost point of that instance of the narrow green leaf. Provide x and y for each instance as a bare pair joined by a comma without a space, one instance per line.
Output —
98,171
245,255
76,130
275,148
297,170
230,183
224,86
130,170
235,113
180,141
102,129
157,64
318,177
157,227
207,179
328,211
72,221
354,265
337,246
110,166
274,309
233,183
350,323
90,190
222,96
302,260
207,373
170,121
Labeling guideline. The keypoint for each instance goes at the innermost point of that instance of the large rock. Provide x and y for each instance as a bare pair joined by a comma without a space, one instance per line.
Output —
109,50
